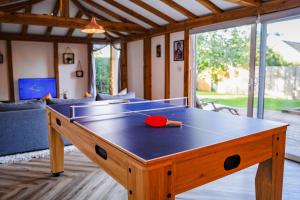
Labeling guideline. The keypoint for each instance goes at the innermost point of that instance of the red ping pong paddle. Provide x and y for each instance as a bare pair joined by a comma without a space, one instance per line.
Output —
160,121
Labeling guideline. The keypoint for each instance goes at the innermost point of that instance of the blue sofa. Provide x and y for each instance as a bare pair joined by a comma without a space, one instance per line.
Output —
23,125
23,130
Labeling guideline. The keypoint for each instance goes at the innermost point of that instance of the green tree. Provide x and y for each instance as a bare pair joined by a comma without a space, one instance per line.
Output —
223,48
273,58
102,74
219,50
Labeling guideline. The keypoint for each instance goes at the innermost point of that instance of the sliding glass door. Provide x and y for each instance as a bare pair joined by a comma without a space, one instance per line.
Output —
253,70
226,69
280,78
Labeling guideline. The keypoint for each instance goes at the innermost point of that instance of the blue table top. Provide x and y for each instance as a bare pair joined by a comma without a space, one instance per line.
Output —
129,132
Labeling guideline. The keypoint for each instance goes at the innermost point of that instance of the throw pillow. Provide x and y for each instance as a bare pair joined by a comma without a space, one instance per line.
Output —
87,94
100,96
123,92
47,97
69,101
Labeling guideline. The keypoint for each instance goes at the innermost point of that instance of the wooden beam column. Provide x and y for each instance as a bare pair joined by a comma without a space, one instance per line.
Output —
124,65
10,71
167,65
147,68
25,26
64,8
56,67
54,13
90,65
186,92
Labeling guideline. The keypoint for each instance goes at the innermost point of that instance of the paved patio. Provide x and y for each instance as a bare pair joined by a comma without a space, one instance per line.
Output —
293,131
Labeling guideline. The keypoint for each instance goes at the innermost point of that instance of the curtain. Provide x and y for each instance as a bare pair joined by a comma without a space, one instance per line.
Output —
93,89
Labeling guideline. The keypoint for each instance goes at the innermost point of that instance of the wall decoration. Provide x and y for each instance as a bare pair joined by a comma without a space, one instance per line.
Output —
178,50
158,50
68,56
1,58
79,71
64,94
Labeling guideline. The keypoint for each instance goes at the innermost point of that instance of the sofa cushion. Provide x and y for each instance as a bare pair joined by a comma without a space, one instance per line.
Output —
69,101
22,105
100,96
123,92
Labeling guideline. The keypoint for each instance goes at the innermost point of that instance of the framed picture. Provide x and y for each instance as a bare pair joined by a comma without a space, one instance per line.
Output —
158,50
79,73
178,50
1,58
68,58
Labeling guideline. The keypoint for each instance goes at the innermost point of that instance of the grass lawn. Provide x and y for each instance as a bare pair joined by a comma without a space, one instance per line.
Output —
240,101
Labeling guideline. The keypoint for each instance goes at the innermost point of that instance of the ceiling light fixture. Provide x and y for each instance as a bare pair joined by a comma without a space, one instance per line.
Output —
93,27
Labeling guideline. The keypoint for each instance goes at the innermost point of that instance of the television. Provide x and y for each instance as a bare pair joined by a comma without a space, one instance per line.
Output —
36,88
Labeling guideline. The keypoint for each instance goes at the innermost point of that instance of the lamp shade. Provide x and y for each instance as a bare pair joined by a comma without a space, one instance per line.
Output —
93,27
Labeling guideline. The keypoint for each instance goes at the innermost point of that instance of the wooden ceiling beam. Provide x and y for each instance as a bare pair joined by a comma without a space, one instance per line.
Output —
25,26
154,11
71,30
8,1
54,13
42,38
132,13
245,2
238,13
109,37
46,20
107,11
211,6
180,9
87,12
64,8
18,6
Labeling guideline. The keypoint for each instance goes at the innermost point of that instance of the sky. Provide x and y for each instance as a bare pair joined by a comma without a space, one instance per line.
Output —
285,30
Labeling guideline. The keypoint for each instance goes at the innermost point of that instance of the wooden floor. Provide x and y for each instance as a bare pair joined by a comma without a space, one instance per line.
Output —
82,180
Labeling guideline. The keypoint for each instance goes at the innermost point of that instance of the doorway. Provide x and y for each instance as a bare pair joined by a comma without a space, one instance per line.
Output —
280,67
225,69
254,69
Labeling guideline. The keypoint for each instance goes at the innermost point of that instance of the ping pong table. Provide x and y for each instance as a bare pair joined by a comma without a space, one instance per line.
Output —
159,163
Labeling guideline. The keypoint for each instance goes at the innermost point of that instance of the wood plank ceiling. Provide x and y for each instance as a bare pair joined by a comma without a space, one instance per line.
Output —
61,20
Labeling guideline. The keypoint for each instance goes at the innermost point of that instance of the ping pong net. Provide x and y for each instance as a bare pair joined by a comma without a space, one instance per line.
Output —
122,108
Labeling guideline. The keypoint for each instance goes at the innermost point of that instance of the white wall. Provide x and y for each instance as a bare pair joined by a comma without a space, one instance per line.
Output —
135,67
31,60
158,68
75,87
4,88
176,68
35,60
135,61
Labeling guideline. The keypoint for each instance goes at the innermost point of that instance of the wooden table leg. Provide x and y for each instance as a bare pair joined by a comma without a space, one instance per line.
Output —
154,184
56,146
269,177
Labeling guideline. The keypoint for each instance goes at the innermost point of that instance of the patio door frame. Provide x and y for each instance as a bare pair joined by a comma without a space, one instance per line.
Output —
265,20
252,62
251,21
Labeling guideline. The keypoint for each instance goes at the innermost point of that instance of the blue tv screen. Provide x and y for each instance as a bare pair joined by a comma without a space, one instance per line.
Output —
36,88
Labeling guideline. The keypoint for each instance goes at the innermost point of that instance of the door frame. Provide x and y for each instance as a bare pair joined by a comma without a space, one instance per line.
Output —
252,59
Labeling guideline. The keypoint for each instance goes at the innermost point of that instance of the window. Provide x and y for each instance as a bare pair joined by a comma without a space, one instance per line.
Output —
102,64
